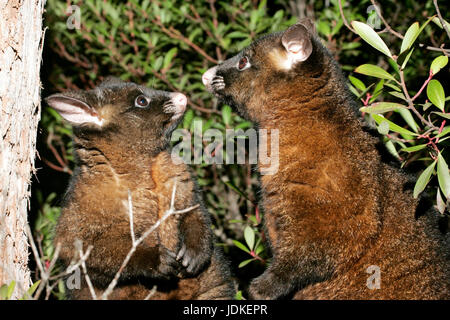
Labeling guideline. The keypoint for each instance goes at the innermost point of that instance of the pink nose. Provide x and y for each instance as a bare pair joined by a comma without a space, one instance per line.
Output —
208,76
179,100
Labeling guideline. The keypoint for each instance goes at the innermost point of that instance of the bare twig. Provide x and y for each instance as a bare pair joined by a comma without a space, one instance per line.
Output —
343,17
44,275
175,34
411,104
130,213
83,258
388,27
151,293
423,86
444,25
137,242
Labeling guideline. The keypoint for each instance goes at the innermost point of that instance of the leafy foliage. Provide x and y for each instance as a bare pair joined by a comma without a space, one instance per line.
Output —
428,135
169,44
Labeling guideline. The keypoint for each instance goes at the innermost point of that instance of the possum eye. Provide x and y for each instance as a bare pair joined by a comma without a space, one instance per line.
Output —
142,101
243,63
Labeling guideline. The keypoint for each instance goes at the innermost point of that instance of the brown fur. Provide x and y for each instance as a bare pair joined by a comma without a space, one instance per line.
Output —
129,153
334,208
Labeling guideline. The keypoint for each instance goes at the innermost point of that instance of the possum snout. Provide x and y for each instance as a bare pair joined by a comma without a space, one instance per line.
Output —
208,76
212,81
177,105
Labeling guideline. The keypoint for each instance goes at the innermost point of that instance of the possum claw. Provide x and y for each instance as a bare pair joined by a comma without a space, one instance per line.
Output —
191,260
181,252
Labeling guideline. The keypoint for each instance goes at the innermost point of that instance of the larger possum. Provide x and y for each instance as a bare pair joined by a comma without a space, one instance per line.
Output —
337,216
121,142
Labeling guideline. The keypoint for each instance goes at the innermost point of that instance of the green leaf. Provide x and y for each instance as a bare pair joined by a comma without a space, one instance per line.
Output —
407,58
414,148
397,95
238,295
436,94
410,36
249,236
371,37
423,180
374,71
245,262
31,290
445,131
236,189
407,116
382,107
188,117
226,114
383,128
377,90
392,126
4,292
444,115
391,148
440,204
11,288
169,56
443,175
353,90
244,125
438,63
439,24
240,246
394,65
357,83
394,87
158,63
259,249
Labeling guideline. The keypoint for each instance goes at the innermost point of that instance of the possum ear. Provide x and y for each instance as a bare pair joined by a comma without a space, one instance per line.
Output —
297,42
308,24
74,110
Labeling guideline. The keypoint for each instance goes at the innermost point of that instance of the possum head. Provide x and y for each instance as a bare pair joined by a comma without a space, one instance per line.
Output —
121,114
271,67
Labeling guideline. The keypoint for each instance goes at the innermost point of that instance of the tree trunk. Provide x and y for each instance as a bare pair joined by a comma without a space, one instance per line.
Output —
21,39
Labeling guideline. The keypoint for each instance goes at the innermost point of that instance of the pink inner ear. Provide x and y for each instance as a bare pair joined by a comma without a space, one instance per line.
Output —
295,48
74,110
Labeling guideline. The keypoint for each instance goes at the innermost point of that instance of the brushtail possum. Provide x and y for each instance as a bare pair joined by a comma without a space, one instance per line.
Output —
121,146
341,222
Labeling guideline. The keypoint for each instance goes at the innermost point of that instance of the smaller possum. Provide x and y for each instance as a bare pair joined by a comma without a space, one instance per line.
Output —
121,146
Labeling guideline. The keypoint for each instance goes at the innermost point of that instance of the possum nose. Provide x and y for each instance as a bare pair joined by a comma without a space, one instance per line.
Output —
208,75
180,102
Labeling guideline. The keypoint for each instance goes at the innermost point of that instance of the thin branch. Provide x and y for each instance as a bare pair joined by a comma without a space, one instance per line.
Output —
388,27
136,243
343,17
444,25
175,34
83,257
130,213
411,104
151,293
44,276
423,86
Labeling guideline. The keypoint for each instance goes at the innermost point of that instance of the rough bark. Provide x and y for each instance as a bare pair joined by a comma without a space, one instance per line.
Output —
21,37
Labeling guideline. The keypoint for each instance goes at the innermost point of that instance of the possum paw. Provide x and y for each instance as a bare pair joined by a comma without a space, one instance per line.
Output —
268,287
191,260
168,267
